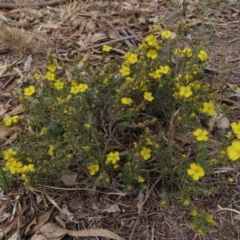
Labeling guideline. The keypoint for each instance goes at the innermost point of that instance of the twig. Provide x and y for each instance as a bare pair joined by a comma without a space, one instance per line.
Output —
232,41
141,207
227,209
31,4
108,42
119,193
233,60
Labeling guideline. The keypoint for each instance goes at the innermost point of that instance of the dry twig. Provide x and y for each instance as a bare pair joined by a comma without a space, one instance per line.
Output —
31,4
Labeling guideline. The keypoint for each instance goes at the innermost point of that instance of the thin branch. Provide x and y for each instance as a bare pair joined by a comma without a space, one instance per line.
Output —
31,4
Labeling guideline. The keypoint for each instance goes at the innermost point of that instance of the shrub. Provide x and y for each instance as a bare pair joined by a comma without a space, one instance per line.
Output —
130,120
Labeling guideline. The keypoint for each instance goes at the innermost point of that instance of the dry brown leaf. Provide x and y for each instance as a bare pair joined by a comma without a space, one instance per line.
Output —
82,26
49,25
17,110
52,201
60,221
4,216
65,213
3,69
27,63
91,24
6,131
69,178
113,208
6,230
15,236
112,34
37,222
142,19
98,36
9,140
52,231
2,110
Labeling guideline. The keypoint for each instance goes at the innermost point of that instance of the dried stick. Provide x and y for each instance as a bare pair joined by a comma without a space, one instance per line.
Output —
141,207
31,4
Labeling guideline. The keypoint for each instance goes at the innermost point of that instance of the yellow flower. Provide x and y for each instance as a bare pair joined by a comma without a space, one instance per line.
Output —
51,150
87,125
201,135
178,52
211,221
52,67
14,166
230,180
44,131
115,166
200,232
129,79
234,151
236,128
148,96
202,55
142,46
36,76
106,48
186,203
164,69
69,96
50,76
151,40
213,161
140,179
15,119
152,53
125,70
75,89
126,101
82,87
131,58
29,91
166,34
8,122
86,148
155,27
186,52
28,168
112,157
163,203
9,153
156,74
208,108
185,91
58,84
31,168
146,153
195,171
60,100
25,179
194,213
93,169
149,141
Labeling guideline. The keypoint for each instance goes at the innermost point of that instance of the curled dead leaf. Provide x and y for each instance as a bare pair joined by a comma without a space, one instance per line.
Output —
69,178
52,231
98,36
37,222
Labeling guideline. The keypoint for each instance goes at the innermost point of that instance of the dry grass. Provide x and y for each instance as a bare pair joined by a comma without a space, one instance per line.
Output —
21,41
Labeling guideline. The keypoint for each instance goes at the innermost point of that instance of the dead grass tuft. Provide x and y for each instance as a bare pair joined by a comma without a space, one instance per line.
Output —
21,41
